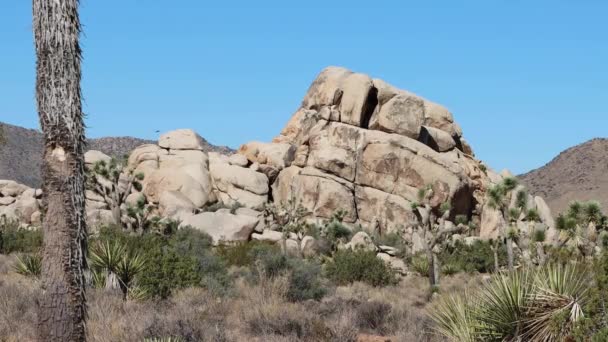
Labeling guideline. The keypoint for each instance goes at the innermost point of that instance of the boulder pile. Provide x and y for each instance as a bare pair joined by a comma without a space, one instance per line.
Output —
20,203
356,144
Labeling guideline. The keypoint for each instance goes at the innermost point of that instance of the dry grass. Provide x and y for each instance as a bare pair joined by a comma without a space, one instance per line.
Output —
254,313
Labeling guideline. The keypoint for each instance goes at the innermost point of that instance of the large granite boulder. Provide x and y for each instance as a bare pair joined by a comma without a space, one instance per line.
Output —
176,164
361,145
223,227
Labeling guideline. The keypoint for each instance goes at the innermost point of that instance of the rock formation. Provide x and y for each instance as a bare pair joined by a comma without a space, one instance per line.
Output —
356,144
20,203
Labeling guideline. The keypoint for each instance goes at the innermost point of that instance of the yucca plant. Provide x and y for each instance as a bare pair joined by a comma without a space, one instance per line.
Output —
29,265
420,265
543,304
455,319
502,305
449,269
499,198
113,264
138,293
556,304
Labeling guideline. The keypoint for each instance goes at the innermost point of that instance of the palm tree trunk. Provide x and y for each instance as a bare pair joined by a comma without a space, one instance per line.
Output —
510,254
62,307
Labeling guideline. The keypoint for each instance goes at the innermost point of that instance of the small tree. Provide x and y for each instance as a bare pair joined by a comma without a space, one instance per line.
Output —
499,198
578,226
537,237
288,218
433,230
111,181
141,214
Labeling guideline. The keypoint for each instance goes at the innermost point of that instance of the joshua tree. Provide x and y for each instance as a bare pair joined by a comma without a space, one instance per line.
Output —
62,308
109,180
538,237
578,225
499,198
433,230
140,212
289,218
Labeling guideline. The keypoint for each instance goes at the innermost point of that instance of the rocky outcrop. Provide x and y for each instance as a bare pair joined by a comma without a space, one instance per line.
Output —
360,145
356,144
20,203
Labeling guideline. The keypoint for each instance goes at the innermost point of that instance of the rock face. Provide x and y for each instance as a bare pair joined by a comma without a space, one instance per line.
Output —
20,202
356,145
360,145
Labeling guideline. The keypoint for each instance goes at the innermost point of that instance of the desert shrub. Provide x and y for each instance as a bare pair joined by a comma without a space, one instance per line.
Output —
287,320
477,257
14,239
245,253
29,265
593,327
183,259
393,240
304,276
350,266
420,264
372,316
305,281
449,269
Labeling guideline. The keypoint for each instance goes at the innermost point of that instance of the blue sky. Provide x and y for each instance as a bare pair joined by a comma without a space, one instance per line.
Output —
525,79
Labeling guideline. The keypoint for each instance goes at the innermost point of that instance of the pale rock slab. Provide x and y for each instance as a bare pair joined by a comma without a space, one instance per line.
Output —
181,139
223,227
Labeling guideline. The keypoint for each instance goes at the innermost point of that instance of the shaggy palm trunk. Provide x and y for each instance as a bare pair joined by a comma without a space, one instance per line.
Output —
62,307
510,254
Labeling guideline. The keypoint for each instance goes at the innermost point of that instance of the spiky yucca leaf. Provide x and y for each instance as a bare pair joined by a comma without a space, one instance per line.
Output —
555,305
106,255
29,265
502,305
138,293
454,318
131,265
420,264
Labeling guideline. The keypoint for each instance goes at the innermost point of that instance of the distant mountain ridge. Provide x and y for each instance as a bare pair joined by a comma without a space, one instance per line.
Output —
578,173
21,151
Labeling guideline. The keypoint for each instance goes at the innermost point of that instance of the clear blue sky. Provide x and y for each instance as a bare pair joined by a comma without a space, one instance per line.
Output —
525,79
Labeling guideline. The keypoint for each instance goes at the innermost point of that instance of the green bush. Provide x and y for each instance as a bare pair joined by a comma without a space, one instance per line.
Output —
16,240
184,259
29,265
266,260
305,281
420,264
351,266
477,257
393,240
244,254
